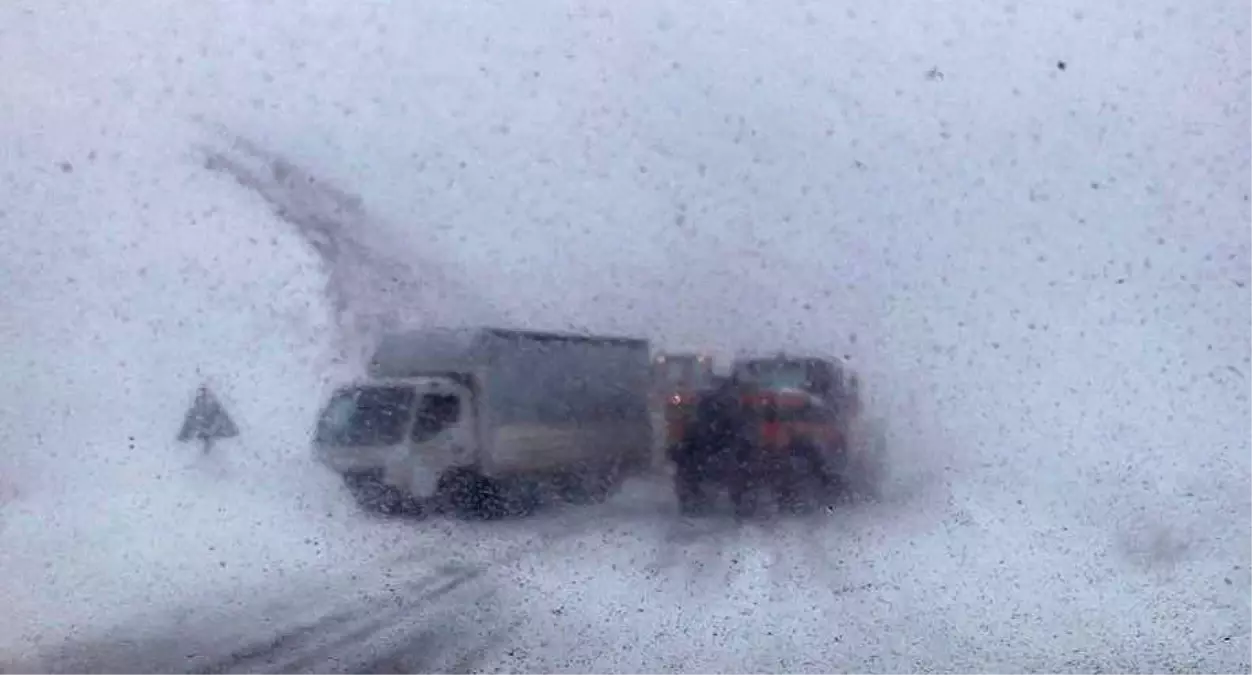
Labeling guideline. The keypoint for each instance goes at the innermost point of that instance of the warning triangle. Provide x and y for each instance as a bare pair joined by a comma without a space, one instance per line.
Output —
207,419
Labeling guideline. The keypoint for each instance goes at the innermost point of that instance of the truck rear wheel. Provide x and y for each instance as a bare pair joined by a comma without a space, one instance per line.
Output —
372,494
824,476
788,492
742,489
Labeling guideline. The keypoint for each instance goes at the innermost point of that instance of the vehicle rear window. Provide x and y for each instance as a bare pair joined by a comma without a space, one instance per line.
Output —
365,416
776,376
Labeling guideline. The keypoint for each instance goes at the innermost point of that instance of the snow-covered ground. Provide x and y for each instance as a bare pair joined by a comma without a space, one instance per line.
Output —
906,585
903,587
133,276
1028,225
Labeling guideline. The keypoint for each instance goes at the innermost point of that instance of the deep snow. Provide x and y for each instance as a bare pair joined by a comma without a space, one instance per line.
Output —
1043,269
123,298
898,588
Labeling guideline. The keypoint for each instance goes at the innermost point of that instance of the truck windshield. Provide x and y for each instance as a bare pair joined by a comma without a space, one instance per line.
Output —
776,375
364,416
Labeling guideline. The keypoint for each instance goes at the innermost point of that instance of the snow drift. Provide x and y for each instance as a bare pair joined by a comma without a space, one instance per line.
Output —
135,276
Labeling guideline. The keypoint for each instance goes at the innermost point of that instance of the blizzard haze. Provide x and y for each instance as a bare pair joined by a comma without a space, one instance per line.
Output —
1028,227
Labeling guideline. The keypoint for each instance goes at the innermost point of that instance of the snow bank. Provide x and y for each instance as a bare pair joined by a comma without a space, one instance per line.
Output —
132,276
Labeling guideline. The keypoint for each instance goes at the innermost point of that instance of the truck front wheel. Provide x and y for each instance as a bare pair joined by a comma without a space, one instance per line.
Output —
472,495
372,494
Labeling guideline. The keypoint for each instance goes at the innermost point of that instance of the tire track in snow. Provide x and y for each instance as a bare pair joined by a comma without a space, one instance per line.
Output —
437,617
452,622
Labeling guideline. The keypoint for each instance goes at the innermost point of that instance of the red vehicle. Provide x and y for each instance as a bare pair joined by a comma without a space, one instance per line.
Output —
793,420
802,408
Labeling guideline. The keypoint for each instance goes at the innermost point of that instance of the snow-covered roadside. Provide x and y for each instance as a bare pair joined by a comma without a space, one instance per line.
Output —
132,276
201,538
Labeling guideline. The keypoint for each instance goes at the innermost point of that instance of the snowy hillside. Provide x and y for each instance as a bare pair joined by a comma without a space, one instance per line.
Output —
1028,225
134,276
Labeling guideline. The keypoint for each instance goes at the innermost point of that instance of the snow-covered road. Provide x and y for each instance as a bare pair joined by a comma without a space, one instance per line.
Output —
916,583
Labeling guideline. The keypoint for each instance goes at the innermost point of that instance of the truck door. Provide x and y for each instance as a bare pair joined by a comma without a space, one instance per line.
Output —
444,434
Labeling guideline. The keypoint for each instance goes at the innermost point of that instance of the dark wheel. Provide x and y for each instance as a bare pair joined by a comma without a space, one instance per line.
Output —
788,482
524,498
372,494
492,503
825,476
472,495
688,488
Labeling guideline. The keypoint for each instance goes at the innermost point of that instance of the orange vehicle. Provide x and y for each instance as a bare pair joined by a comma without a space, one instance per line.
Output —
798,398
790,418
800,409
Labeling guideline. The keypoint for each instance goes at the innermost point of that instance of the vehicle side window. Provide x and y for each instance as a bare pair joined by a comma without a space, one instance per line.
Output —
436,413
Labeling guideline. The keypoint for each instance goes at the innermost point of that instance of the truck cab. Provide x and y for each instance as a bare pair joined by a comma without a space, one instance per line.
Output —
800,410
402,432
792,381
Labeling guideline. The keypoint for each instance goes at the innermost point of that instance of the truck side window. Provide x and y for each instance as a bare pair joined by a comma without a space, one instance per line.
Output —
436,413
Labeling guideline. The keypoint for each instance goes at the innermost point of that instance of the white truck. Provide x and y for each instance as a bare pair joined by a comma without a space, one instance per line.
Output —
490,420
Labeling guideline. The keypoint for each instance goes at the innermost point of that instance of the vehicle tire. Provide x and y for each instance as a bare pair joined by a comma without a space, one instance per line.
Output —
826,475
742,490
493,503
472,495
787,493
373,495
692,500
522,497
